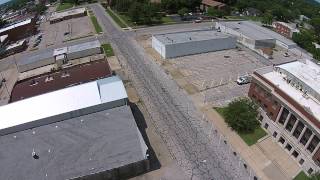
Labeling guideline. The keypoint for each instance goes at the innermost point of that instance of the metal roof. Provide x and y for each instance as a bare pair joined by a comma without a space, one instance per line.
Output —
73,148
29,59
84,46
255,31
189,36
58,102
15,25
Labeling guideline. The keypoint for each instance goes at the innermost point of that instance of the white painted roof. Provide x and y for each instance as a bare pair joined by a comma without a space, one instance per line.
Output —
111,89
15,25
307,72
60,51
61,101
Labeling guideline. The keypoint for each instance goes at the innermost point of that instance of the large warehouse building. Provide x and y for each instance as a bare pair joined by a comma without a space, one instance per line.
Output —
192,42
255,37
81,132
289,96
59,56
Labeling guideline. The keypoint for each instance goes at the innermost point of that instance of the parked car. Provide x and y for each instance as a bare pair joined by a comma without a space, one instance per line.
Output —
243,80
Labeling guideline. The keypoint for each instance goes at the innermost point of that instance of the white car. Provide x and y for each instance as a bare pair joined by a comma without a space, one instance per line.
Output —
243,80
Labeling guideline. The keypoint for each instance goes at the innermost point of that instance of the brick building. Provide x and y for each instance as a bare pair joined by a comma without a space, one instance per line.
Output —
285,29
289,100
20,30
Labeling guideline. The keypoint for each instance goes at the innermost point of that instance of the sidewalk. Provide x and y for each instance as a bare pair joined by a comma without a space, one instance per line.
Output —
266,158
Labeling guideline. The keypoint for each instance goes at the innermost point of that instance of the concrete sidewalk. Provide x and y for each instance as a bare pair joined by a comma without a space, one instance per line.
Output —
266,158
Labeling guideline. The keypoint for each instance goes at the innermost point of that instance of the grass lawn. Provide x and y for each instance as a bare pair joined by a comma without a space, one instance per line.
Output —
167,20
108,50
115,18
301,176
95,23
63,6
250,138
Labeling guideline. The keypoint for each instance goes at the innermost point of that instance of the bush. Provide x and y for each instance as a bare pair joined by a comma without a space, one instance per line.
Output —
241,115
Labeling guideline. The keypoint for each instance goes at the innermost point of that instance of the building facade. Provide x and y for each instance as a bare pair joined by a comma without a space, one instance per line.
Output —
20,30
288,96
192,42
285,29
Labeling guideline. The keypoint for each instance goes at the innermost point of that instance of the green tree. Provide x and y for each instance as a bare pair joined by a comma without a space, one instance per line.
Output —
134,12
315,176
40,8
182,12
241,115
315,22
215,12
3,23
267,19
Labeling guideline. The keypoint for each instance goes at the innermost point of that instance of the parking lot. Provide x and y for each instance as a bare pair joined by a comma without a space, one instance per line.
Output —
214,74
210,77
55,34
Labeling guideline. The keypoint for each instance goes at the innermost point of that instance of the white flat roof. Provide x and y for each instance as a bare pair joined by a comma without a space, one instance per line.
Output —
190,36
60,51
309,73
15,25
61,101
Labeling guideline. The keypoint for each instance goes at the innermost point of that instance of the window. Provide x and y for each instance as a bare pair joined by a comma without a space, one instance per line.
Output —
254,96
266,125
313,144
305,137
295,154
288,147
283,116
265,107
301,161
310,171
260,118
298,130
270,114
290,124
275,134
282,140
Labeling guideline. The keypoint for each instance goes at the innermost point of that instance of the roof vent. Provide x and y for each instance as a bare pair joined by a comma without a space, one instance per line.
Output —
48,78
65,74
35,155
33,82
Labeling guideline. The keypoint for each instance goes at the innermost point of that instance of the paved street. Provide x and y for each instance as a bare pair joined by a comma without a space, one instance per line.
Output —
191,141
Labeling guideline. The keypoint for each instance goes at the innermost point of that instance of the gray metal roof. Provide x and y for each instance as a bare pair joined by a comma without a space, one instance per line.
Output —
35,58
73,148
84,46
189,36
255,31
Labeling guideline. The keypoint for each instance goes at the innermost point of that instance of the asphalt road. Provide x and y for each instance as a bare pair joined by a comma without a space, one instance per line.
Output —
192,142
